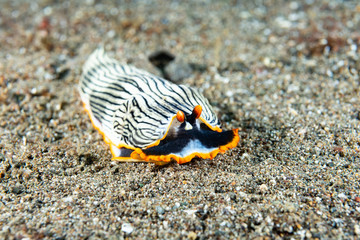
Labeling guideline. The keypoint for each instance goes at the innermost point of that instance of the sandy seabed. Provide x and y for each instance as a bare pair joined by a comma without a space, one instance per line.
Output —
286,73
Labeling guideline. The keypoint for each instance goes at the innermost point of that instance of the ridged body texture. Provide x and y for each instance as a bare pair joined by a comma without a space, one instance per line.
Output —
139,114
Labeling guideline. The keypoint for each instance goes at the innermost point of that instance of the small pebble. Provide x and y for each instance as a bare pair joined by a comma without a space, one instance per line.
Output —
160,210
357,229
68,199
192,235
342,196
263,188
18,188
272,182
127,228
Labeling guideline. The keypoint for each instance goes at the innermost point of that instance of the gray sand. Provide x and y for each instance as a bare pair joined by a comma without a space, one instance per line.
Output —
285,73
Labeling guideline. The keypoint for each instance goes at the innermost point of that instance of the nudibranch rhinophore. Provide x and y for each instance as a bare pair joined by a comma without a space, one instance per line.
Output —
145,118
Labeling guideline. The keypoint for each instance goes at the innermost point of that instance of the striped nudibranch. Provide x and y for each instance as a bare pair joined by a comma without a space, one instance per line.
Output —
145,118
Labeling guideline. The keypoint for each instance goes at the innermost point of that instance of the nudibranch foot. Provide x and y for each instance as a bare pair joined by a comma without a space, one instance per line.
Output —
182,149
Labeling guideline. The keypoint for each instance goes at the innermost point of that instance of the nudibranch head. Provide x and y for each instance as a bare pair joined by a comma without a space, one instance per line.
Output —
187,138
145,118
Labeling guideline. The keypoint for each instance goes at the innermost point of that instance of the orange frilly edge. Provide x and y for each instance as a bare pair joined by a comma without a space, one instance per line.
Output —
139,156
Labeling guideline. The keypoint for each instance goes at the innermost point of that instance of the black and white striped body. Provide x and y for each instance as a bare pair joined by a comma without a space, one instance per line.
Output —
132,108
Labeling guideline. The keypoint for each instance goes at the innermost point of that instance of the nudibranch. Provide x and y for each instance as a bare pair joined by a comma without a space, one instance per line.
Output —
145,118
